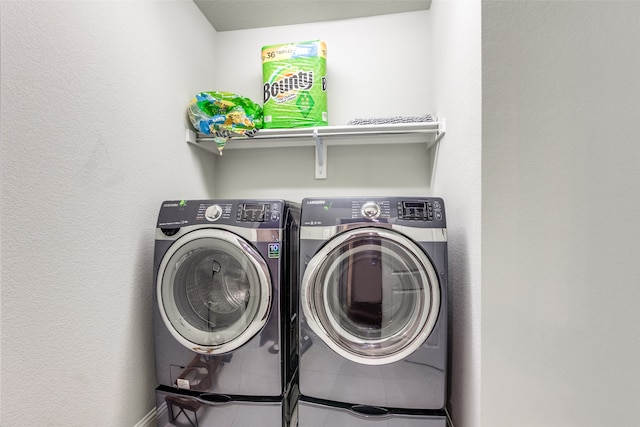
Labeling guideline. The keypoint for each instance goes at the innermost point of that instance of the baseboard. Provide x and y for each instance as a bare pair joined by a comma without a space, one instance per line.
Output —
449,420
148,420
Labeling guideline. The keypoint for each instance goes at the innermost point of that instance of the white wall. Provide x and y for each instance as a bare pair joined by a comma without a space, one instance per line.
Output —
383,74
560,229
94,96
456,64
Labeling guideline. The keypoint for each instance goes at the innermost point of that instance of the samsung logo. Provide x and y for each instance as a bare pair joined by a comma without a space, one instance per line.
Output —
315,202
180,204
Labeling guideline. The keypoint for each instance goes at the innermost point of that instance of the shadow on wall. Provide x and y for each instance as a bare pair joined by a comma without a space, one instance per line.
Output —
140,334
402,169
208,164
459,313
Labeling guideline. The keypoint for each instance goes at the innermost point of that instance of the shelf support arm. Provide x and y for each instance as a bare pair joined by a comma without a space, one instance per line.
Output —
442,129
321,156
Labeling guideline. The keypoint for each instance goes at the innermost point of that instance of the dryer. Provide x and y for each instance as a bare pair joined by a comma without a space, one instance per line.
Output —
225,274
373,311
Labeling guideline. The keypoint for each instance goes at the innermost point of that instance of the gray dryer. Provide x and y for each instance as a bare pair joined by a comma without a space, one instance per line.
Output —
373,312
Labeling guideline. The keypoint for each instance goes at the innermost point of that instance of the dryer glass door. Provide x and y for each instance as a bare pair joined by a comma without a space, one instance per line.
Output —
213,290
372,295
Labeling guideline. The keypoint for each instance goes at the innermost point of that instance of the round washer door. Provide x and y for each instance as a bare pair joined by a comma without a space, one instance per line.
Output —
371,295
214,291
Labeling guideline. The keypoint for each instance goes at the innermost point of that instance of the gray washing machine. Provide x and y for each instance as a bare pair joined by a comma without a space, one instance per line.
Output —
373,312
225,275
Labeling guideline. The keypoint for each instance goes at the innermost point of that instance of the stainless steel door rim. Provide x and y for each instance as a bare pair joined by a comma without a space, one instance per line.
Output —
219,313
415,302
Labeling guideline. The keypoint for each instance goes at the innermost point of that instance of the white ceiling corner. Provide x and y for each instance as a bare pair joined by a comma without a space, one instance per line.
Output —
229,15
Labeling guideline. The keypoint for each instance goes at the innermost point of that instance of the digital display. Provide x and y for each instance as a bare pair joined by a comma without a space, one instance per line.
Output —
420,211
414,204
254,207
253,212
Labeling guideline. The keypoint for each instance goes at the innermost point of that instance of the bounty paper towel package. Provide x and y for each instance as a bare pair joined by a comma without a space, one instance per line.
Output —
295,85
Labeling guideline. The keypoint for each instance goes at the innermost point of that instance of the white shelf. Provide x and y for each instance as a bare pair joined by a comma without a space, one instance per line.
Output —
428,133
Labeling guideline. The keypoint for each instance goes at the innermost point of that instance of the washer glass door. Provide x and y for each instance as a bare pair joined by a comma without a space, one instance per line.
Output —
372,295
213,290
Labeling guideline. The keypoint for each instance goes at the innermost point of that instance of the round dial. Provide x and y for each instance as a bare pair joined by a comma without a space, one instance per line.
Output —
370,210
213,213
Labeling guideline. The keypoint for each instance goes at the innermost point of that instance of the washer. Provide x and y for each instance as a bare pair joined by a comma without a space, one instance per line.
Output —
373,311
225,309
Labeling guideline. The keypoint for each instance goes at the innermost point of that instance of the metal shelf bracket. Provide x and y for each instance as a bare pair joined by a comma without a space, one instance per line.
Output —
191,136
442,130
320,138
321,156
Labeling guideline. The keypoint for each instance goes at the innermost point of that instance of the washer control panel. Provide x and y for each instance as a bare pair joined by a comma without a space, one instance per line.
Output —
245,213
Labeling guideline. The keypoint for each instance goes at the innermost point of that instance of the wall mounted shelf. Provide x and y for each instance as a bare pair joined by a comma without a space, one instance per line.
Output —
428,133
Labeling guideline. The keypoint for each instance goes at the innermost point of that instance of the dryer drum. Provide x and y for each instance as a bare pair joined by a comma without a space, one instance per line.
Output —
371,295
371,291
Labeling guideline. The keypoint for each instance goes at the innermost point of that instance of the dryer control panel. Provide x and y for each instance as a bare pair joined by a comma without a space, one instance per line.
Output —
421,212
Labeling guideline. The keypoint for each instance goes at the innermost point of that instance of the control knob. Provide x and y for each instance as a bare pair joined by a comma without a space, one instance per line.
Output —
213,213
370,210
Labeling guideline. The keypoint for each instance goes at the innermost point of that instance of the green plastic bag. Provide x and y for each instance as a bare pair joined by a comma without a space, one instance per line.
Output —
224,115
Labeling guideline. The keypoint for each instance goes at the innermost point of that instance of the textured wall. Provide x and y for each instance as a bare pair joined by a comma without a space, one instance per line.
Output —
456,59
93,115
560,231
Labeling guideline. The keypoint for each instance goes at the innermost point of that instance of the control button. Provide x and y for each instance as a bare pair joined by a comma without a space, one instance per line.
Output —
370,210
213,213
437,205
438,215
274,216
